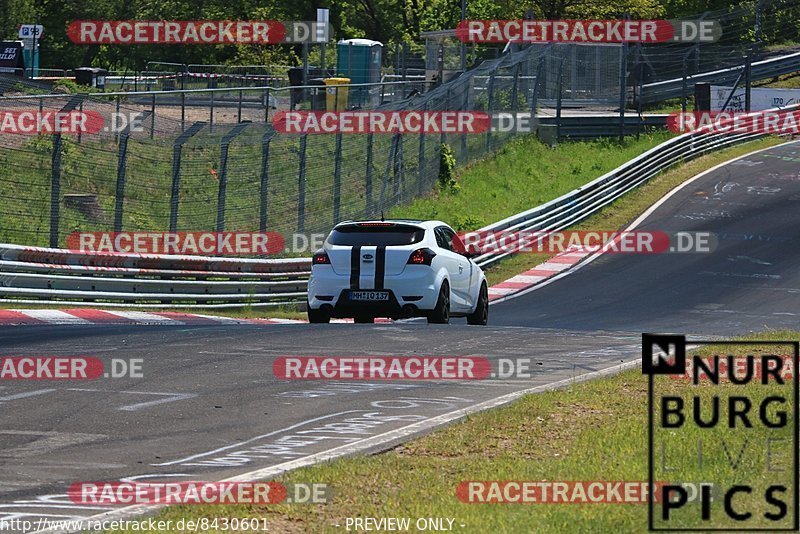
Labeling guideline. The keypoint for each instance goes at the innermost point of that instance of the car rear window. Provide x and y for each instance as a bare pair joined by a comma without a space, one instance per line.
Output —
361,236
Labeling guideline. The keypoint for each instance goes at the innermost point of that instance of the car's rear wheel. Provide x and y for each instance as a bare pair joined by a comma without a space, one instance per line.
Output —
317,316
441,313
363,319
481,314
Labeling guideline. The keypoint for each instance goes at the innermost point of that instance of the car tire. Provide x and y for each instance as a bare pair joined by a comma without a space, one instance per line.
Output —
481,314
317,316
363,319
441,313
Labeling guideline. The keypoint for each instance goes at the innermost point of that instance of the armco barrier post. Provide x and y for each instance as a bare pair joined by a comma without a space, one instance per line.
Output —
224,147
337,178
301,186
177,147
264,188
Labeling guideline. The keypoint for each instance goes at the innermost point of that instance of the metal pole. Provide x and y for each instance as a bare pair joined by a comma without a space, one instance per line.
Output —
264,189
337,178
368,178
55,176
222,193
558,97
463,44
747,79
55,190
301,186
421,158
176,172
623,82
153,116
490,109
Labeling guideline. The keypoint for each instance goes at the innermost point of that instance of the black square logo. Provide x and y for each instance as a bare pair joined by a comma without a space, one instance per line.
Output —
663,354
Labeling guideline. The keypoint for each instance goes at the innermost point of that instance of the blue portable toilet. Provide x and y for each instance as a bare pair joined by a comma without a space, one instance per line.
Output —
360,61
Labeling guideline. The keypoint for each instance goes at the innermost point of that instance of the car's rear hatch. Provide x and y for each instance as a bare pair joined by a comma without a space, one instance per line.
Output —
369,251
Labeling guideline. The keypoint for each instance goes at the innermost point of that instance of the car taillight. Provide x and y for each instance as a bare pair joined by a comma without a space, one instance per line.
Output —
321,258
421,256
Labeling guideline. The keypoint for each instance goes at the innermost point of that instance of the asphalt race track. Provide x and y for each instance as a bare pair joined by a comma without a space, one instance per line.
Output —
209,407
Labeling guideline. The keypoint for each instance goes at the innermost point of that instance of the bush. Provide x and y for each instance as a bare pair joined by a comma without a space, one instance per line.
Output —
447,165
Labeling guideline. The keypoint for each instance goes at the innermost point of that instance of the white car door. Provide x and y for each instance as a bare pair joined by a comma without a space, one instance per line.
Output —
459,269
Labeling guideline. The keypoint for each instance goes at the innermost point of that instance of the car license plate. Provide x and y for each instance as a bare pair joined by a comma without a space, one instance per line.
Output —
369,295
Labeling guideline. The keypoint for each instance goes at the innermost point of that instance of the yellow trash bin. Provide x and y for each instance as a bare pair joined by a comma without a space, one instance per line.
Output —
335,95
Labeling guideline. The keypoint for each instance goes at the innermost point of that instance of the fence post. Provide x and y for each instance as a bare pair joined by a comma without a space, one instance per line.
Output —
264,190
337,178
399,174
211,113
421,157
80,137
121,167
301,186
122,163
239,111
266,106
55,176
623,81
514,88
183,111
389,159
176,172
55,190
464,144
443,139
490,109
536,85
559,96
368,178
153,116
116,134
224,147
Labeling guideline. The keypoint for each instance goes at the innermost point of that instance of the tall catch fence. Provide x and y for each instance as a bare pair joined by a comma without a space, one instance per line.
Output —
197,168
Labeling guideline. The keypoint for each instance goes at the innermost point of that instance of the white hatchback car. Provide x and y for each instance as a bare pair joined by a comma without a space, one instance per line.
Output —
397,269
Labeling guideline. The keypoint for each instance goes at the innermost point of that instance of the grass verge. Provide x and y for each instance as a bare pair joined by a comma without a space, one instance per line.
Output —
589,431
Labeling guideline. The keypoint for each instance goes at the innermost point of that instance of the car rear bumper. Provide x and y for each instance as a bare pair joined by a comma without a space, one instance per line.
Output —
413,291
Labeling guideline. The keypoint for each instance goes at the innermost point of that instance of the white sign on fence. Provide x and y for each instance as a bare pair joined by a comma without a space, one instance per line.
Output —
761,98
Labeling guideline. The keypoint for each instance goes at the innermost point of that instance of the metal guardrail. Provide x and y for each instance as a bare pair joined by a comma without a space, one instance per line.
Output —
59,276
759,70
64,277
586,200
